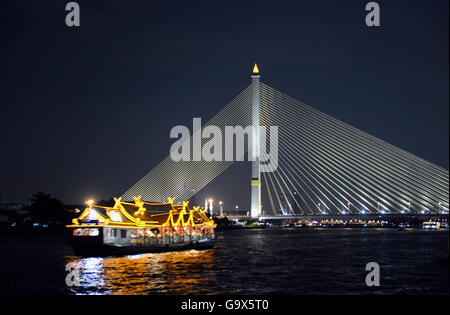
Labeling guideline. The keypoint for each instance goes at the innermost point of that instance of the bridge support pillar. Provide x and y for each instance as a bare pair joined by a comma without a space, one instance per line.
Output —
256,175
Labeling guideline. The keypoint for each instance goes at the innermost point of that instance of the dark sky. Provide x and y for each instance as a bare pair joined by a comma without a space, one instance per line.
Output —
87,111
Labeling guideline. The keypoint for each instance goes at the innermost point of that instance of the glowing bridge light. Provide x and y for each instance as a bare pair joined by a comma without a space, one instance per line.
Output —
255,69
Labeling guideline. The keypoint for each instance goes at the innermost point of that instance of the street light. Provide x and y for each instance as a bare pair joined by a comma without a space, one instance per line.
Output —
221,209
211,206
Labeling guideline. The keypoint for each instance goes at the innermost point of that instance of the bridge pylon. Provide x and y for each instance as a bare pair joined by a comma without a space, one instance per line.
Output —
256,174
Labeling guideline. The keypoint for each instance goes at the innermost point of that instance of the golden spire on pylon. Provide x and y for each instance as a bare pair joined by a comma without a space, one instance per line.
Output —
255,69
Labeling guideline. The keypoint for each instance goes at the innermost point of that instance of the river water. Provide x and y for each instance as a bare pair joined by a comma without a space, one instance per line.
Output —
268,261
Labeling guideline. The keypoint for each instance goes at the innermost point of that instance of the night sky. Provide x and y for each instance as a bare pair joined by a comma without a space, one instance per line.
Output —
86,111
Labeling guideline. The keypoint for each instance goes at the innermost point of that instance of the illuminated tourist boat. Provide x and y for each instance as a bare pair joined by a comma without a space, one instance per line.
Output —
431,225
140,227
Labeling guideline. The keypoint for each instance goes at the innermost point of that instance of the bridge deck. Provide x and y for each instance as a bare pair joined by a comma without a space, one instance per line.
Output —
346,217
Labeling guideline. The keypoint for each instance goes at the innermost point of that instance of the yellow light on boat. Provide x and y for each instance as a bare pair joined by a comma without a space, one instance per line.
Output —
89,202
140,204
255,69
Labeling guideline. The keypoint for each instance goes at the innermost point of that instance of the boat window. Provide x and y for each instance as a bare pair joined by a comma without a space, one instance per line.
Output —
94,232
86,232
123,233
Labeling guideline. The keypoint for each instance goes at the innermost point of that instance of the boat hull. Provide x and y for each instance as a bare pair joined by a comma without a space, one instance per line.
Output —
102,250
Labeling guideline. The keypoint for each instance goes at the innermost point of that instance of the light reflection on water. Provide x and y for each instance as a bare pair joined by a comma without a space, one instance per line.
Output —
175,272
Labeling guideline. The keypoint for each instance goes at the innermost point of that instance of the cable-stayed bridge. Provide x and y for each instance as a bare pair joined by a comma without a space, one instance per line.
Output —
325,166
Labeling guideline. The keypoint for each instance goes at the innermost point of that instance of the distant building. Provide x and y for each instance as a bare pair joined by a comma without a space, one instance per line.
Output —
12,206
8,211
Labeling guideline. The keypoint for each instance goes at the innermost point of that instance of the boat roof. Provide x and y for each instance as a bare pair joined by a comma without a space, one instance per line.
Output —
143,213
